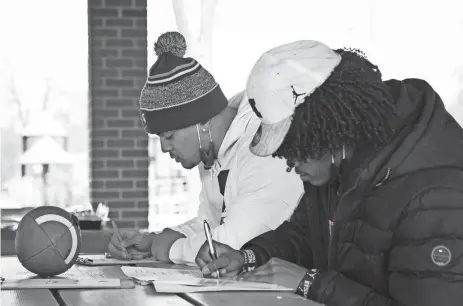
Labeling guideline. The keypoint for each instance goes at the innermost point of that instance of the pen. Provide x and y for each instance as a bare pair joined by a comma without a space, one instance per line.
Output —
212,252
84,260
116,229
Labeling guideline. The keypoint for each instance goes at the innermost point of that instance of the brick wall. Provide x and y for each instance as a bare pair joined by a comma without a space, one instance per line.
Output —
117,72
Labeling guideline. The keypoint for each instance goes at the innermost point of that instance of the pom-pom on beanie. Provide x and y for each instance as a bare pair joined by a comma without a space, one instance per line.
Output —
179,92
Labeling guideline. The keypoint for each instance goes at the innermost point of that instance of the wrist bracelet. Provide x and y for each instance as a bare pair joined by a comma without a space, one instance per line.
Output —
249,260
306,282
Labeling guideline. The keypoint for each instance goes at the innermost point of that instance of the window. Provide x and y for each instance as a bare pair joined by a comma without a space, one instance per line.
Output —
44,96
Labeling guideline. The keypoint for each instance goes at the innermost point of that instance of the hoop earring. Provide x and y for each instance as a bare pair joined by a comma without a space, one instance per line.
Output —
210,135
207,157
199,136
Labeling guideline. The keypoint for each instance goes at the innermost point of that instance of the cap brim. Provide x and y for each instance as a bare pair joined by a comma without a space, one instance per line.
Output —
269,137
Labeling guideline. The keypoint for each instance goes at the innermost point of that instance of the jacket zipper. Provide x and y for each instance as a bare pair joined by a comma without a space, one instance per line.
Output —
331,224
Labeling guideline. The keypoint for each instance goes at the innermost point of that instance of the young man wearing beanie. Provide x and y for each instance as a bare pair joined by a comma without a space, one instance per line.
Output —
242,195
382,163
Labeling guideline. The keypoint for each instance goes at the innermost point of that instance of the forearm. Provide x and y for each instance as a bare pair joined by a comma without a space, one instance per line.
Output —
334,289
287,242
162,243
190,227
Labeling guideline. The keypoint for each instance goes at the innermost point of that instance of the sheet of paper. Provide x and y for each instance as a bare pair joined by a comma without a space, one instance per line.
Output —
182,281
101,260
210,285
73,273
49,283
153,274
86,276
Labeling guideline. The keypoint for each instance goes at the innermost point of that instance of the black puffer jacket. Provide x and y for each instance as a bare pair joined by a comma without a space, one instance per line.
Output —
397,219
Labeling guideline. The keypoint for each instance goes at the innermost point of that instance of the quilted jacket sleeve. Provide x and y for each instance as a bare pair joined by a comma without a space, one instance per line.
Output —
288,242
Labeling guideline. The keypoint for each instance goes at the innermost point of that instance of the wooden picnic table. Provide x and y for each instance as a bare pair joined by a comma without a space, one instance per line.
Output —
27,297
139,295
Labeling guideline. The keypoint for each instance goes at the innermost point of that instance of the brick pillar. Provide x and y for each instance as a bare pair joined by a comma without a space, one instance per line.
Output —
117,72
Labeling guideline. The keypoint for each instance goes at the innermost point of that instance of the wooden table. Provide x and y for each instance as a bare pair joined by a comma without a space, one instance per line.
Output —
140,295
27,297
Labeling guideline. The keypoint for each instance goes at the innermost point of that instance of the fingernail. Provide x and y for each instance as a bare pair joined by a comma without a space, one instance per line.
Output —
206,270
214,274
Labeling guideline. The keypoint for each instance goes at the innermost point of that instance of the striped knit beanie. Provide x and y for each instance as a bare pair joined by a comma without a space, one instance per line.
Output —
179,92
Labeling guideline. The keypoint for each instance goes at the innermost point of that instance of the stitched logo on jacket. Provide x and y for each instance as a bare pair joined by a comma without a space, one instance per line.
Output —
441,255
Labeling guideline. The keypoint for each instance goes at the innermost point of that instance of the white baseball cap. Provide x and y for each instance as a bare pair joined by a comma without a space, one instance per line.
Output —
278,83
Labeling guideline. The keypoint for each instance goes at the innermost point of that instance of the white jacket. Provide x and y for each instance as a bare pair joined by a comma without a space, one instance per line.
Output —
259,194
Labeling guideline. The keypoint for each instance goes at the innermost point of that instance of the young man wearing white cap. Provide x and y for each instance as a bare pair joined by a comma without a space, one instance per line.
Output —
242,195
382,165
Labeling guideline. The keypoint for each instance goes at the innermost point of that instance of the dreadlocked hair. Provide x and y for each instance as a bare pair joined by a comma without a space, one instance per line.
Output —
351,107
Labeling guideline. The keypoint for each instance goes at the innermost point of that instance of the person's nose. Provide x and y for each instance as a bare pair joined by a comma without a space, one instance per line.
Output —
165,145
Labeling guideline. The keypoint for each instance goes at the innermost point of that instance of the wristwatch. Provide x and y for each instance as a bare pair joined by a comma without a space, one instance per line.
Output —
306,282
249,261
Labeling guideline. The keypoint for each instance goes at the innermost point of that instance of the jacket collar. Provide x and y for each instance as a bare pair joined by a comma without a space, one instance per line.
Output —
228,149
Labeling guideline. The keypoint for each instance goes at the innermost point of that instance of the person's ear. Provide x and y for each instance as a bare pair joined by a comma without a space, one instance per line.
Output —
205,127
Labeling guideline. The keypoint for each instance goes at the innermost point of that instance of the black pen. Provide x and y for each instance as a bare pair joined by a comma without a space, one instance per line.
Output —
84,260
212,251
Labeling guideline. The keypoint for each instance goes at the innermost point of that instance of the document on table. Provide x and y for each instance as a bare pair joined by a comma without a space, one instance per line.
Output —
59,283
73,278
183,281
72,273
146,276
102,260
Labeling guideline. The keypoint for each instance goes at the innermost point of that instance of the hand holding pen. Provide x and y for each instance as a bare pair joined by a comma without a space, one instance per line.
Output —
212,251
118,234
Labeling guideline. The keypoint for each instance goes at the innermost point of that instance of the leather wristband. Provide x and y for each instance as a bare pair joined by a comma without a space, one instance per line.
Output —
249,261
306,282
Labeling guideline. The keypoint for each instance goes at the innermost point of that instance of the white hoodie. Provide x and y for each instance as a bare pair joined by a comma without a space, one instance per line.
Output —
259,194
